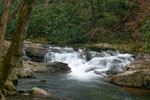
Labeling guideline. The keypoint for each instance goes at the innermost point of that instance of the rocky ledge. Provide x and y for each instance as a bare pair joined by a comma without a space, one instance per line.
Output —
136,74
35,51
52,67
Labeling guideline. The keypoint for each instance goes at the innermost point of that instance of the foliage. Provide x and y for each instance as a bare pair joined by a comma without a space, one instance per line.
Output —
71,21
60,22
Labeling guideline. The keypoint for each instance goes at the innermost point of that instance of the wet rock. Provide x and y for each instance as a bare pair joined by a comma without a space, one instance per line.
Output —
5,92
10,86
38,91
12,93
142,56
13,77
136,79
25,73
136,74
25,58
21,91
3,97
58,67
35,51
137,65
35,66
43,81
91,69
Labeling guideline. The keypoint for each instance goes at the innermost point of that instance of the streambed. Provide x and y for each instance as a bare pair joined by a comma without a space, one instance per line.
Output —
85,82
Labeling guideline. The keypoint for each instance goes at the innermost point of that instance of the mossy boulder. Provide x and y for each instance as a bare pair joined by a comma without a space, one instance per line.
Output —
3,97
10,86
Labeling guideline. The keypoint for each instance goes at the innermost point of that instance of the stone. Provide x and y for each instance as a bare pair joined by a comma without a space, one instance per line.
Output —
10,86
3,97
43,81
136,74
13,77
25,94
136,79
35,66
36,54
25,73
12,93
5,92
21,91
58,67
38,91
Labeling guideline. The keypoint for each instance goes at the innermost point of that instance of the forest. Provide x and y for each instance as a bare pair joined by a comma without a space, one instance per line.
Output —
52,41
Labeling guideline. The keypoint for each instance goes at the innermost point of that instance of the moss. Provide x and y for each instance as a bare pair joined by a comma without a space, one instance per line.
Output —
20,53
9,61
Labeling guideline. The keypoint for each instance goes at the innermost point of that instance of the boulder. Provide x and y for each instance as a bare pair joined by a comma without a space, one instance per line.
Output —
138,65
35,66
58,67
53,67
3,97
38,91
21,91
35,51
136,74
10,86
136,79
13,77
25,73
12,93
142,56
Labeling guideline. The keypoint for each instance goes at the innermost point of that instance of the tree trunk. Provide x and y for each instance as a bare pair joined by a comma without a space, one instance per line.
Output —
9,61
3,24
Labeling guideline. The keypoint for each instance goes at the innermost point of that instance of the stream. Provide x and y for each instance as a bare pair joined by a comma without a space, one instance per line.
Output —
85,82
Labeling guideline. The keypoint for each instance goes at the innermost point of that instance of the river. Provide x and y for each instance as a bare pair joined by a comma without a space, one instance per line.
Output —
85,82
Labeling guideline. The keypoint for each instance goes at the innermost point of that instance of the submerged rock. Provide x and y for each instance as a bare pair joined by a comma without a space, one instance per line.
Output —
58,67
43,81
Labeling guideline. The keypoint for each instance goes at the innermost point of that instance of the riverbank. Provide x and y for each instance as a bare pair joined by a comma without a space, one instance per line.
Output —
37,52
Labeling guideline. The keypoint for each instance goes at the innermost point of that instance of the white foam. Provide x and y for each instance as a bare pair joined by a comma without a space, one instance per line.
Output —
85,69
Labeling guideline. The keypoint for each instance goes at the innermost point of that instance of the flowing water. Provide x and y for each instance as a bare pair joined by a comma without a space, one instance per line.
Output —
86,63
85,82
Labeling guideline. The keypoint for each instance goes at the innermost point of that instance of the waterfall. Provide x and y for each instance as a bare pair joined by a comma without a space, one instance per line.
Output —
86,63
